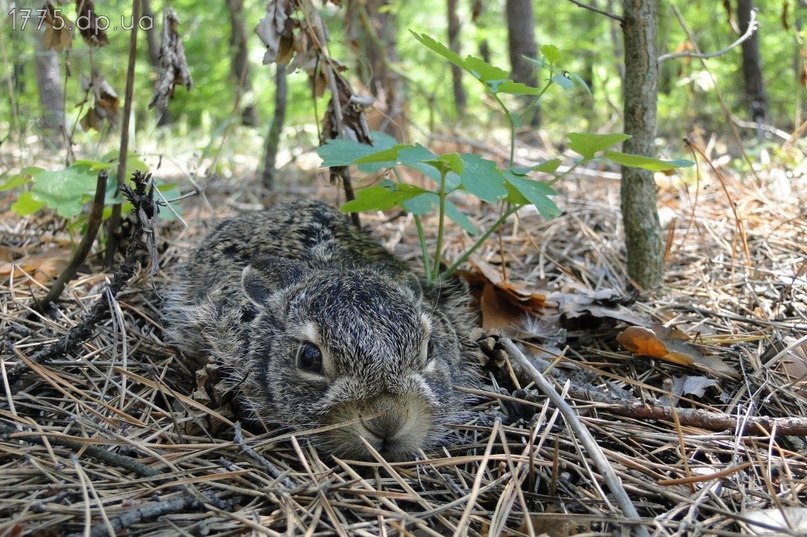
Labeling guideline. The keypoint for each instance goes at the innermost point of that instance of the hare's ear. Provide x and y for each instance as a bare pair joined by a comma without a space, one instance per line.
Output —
267,275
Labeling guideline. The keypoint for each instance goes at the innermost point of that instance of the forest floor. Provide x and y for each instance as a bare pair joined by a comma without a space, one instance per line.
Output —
116,436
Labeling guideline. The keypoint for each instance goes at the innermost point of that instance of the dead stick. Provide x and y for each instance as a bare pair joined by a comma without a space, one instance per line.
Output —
115,218
582,434
84,247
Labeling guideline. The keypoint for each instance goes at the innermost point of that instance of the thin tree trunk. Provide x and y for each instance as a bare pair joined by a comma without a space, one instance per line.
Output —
639,213
373,29
269,174
460,97
51,94
755,95
521,43
240,63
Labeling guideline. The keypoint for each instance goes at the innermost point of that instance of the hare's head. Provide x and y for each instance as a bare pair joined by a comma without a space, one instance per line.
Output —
356,354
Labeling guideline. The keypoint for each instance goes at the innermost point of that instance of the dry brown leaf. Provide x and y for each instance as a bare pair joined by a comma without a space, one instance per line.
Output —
42,267
603,304
276,30
58,33
666,344
105,103
175,66
87,23
498,311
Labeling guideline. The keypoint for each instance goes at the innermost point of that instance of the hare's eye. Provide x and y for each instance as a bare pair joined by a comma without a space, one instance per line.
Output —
309,358
431,358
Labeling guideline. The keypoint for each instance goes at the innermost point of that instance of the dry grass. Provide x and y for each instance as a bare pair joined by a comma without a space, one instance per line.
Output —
109,436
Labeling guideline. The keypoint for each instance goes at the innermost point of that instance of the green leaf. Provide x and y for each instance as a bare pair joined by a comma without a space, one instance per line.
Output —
388,155
23,178
26,204
15,181
382,140
170,193
548,166
459,218
552,54
536,193
562,81
448,162
588,144
66,190
495,79
482,178
338,152
517,88
440,49
381,197
96,165
579,81
646,163
422,203
415,157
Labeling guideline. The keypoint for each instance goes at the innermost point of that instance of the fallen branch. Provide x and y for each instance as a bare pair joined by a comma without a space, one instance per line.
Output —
153,510
145,210
84,247
583,435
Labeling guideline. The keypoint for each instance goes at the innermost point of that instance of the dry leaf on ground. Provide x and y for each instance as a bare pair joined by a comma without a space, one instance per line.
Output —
670,345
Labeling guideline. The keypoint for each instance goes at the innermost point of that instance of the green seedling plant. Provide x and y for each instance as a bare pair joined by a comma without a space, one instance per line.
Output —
512,186
68,191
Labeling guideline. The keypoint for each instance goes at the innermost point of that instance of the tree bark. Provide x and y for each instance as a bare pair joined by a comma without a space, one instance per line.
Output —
521,43
460,97
755,95
269,174
240,63
374,31
49,84
638,192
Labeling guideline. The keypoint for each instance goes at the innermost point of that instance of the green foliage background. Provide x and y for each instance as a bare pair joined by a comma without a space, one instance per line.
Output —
590,43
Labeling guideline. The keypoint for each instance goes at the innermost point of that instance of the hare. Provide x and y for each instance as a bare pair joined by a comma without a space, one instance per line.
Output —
319,326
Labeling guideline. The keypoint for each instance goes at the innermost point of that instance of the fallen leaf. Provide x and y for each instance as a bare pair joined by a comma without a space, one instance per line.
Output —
497,311
662,343
42,267
693,385
792,520
603,304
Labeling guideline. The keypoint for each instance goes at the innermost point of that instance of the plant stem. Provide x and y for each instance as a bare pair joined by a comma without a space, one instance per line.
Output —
424,251
114,220
482,238
438,248
512,122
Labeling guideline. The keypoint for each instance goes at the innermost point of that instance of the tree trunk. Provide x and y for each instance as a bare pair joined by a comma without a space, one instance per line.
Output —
240,63
269,174
755,95
49,84
373,29
521,43
639,214
460,97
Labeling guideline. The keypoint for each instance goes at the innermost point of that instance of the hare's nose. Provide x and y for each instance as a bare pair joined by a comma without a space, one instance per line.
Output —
387,420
